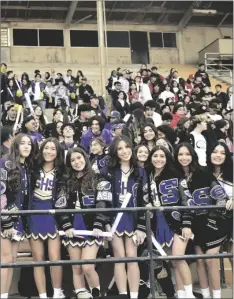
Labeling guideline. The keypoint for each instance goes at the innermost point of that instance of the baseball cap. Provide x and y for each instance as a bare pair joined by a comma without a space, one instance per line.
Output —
115,114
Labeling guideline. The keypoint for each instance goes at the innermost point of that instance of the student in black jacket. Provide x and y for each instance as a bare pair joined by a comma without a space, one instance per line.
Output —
202,73
85,91
210,228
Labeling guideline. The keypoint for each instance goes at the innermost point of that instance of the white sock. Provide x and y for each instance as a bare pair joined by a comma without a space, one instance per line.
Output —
43,295
123,293
5,295
216,293
181,294
80,290
205,293
57,292
133,295
189,291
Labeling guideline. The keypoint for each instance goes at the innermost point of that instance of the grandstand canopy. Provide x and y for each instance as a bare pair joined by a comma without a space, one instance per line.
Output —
180,13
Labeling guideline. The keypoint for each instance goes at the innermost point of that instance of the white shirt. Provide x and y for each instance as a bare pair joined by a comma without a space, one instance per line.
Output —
166,94
200,146
145,94
157,118
125,84
37,94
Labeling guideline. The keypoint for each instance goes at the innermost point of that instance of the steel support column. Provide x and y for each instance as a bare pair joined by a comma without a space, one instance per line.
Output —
101,45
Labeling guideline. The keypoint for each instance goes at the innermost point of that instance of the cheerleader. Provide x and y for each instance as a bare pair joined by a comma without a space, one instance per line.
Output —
99,157
15,195
142,153
149,135
47,194
122,176
81,195
164,190
219,161
209,228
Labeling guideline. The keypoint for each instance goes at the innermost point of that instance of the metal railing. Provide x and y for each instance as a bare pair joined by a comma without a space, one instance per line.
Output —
215,65
150,258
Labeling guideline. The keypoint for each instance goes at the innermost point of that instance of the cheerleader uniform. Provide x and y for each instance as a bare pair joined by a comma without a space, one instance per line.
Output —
14,200
228,187
165,191
43,226
115,186
81,200
210,228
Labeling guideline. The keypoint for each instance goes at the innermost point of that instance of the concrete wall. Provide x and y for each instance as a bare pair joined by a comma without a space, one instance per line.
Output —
194,39
226,46
189,42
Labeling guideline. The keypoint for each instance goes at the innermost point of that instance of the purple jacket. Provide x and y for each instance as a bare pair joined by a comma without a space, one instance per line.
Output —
36,136
88,136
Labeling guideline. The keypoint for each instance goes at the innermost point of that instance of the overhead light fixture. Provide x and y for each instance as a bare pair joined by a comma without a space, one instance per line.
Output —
204,11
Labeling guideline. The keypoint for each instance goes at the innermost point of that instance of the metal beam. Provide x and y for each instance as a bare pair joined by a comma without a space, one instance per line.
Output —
144,13
110,12
93,9
223,19
186,18
71,11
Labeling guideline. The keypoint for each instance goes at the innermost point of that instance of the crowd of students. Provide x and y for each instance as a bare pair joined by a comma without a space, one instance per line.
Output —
168,142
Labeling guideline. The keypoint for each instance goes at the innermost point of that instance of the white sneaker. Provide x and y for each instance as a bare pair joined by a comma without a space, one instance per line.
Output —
84,295
60,296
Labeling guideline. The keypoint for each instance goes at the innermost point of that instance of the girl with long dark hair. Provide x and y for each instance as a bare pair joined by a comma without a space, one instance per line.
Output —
149,135
219,161
80,186
15,194
142,154
48,193
209,228
122,176
165,184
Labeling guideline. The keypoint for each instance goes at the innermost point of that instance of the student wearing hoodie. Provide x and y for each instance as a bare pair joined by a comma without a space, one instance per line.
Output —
96,129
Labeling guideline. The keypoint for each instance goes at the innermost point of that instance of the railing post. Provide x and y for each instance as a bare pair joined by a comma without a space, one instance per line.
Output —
150,249
205,62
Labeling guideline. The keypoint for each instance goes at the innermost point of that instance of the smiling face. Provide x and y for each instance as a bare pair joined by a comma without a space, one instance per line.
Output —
142,154
218,156
96,148
77,161
149,133
184,156
25,147
49,152
124,151
159,159
95,127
